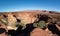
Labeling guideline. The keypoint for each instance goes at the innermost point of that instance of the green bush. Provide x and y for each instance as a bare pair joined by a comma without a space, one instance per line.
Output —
17,24
41,24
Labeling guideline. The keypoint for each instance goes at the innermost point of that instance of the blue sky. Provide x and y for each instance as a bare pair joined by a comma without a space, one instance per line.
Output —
20,5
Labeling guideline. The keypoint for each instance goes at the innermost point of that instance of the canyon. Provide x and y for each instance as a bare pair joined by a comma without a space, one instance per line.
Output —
11,19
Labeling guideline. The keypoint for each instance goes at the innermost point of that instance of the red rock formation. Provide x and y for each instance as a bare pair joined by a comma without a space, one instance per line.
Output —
40,32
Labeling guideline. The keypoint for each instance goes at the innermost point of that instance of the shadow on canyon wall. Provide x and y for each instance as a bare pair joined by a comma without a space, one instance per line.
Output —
20,32
29,28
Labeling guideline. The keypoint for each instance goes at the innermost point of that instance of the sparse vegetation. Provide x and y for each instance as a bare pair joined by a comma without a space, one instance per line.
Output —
42,21
41,24
17,24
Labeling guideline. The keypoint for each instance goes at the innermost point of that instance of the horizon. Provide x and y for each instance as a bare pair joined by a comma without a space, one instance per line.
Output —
29,11
21,5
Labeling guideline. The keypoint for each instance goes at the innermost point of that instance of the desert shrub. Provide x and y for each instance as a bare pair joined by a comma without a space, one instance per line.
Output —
41,24
18,24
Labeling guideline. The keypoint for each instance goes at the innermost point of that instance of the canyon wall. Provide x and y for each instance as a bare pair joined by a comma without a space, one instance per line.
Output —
24,17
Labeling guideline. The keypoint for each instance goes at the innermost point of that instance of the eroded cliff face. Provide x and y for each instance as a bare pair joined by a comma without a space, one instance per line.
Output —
24,17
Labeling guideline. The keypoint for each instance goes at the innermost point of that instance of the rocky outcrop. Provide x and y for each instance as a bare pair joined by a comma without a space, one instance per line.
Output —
40,32
3,30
